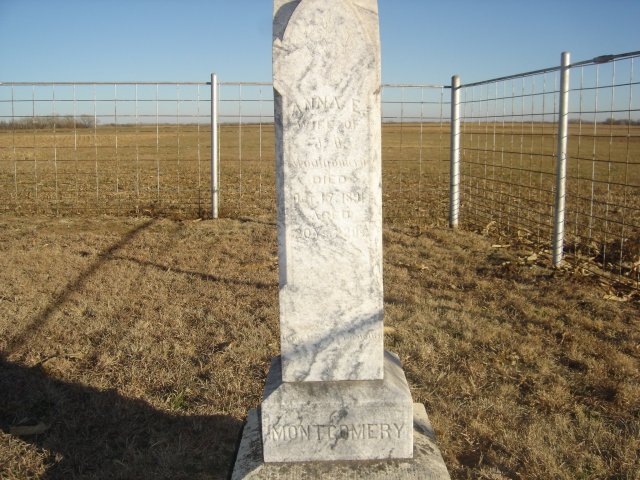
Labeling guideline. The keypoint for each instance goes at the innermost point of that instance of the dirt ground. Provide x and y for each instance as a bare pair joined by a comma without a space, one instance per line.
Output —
134,347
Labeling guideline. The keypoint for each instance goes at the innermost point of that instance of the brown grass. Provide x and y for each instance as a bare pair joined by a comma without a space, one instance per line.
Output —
166,171
507,172
508,178
135,347
509,184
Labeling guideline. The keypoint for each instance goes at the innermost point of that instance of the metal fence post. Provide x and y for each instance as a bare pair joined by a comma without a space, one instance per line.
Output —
454,178
215,179
561,167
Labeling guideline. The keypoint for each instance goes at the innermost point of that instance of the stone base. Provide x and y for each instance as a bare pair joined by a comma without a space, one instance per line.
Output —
426,464
347,420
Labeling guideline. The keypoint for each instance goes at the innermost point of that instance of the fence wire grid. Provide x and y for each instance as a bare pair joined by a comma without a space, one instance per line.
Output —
509,140
145,149
414,151
114,148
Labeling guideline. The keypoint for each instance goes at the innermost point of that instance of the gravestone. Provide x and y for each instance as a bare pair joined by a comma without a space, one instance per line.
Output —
326,79
333,393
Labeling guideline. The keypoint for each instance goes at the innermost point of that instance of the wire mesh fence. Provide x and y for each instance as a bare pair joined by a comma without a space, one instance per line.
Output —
507,155
414,151
246,149
509,158
603,170
145,149
117,148
415,154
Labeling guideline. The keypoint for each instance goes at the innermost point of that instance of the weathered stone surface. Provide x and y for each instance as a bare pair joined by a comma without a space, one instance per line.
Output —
426,464
347,420
326,72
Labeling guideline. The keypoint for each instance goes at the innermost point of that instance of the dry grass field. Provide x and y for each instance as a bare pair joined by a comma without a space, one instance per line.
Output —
135,334
509,184
133,348
508,179
165,170
508,174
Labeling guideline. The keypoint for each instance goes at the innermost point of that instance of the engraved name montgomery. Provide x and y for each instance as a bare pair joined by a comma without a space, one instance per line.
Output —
360,431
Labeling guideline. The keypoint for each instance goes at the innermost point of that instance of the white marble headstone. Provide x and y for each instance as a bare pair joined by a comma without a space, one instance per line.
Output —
326,70
333,394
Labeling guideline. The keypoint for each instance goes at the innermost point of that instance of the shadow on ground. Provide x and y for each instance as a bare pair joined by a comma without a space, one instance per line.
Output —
88,433
74,286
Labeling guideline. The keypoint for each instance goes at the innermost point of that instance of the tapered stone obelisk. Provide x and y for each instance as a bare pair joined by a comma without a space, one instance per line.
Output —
331,395
326,78
334,393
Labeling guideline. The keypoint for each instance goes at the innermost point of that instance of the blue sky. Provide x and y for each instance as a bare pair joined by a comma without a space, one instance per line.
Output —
185,40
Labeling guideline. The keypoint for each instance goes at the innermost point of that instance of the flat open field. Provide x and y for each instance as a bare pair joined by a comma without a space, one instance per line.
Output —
167,169
133,348
507,184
